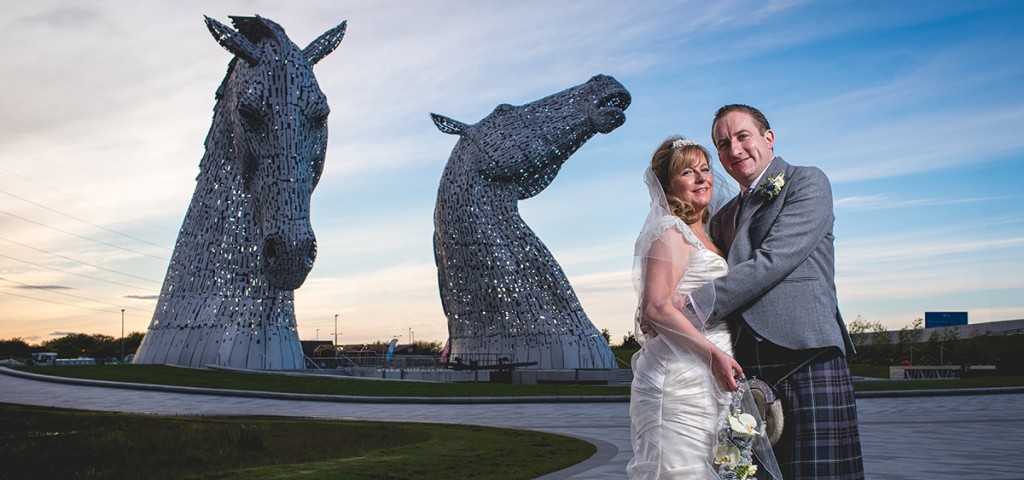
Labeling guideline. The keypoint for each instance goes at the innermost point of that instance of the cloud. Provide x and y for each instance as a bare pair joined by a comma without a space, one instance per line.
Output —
142,297
916,247
62,17
43,287
951,139
885,202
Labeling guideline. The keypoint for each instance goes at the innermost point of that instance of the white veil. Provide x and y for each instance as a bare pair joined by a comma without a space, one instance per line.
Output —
666,239
659,220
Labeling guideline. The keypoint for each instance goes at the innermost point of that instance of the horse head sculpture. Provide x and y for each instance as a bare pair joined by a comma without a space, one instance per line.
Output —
524,147
503,293
247,242
277,118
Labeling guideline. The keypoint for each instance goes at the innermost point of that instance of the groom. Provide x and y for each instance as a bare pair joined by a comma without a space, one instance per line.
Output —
780,296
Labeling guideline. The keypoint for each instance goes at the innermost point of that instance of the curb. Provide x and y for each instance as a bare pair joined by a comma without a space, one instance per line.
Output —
945,392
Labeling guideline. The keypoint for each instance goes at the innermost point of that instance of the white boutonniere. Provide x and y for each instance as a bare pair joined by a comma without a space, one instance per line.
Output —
773,185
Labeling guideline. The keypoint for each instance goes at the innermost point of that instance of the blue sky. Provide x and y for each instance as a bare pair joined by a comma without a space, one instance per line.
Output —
913,108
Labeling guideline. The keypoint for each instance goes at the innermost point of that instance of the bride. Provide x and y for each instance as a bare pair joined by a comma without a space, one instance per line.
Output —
684,375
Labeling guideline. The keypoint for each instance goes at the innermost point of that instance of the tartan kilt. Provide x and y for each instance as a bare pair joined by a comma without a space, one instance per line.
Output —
820,438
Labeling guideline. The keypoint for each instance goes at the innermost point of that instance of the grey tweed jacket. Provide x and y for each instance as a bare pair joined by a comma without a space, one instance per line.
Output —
781,281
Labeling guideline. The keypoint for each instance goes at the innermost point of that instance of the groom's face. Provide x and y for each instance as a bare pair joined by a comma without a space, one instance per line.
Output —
743,150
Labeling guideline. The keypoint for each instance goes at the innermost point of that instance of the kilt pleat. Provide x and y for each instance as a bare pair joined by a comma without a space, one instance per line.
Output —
824,438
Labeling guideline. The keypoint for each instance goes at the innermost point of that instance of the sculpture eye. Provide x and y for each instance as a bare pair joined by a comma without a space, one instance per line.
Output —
504,107
251,117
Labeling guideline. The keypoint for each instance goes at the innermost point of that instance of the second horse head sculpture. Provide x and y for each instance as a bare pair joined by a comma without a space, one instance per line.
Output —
506,298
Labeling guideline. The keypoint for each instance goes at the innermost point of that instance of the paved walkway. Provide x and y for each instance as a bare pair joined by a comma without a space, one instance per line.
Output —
973,437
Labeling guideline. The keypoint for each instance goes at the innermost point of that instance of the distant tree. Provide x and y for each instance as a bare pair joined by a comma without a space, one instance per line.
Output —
14,348
908,336
132,342
881,338
81,345
861,330
427,347
629,341
873,342
607,335
911,334
946,335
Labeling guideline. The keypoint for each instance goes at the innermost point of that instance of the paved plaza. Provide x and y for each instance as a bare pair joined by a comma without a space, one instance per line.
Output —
964,437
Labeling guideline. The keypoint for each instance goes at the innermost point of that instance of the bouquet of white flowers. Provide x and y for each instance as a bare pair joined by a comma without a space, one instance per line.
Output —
737,432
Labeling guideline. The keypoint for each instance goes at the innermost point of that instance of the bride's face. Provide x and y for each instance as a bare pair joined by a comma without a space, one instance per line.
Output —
694,185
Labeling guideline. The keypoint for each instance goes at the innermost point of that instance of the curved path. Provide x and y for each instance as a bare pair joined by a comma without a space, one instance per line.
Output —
961,437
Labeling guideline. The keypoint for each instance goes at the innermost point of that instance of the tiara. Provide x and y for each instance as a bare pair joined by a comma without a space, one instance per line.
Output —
682,142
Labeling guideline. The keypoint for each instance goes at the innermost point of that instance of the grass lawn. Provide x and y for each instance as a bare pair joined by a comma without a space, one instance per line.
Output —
870,371
39,442
268,382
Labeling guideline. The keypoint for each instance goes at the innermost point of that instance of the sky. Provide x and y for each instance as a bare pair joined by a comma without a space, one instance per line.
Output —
913,108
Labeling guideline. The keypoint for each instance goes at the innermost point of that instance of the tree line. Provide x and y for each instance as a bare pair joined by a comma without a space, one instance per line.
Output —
907,346
105,347
878,346
73,345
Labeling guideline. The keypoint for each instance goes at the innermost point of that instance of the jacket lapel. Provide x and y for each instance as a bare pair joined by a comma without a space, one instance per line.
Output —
757,197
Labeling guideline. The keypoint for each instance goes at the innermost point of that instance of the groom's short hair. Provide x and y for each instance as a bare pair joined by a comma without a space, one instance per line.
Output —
762,123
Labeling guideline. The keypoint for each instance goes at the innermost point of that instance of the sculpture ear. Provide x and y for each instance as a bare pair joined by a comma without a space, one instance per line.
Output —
234,42
325,44
449,126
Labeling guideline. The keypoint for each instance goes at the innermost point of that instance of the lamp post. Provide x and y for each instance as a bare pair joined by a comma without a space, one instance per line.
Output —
122,336
335,329
318,334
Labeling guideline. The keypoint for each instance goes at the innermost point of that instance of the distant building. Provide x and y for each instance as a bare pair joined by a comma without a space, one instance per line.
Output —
44,358
76,361
313,348
1004,327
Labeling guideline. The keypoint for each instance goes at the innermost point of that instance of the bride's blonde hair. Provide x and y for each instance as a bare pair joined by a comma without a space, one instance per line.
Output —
673,156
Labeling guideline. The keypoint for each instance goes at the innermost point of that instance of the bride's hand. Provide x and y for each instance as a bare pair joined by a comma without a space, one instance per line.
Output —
725,369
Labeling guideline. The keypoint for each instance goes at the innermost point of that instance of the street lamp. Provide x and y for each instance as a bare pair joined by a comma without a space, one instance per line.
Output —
335,329
122,336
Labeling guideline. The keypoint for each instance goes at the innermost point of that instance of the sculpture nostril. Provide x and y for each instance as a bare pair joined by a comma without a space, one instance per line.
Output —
270,249
286,260
311,253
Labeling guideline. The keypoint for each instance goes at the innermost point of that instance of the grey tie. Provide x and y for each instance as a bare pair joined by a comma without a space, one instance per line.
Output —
744,198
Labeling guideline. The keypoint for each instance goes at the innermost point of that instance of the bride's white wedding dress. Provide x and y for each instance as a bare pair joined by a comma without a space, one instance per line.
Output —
675,403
